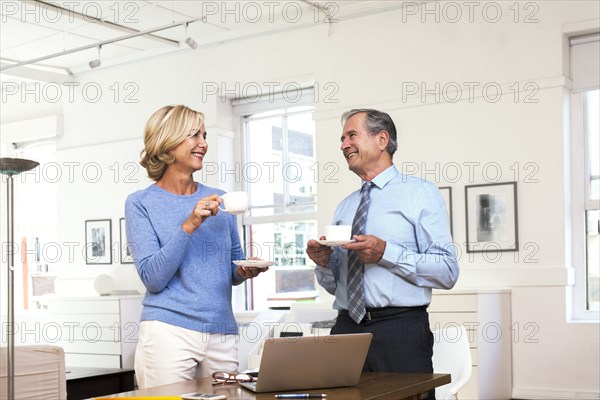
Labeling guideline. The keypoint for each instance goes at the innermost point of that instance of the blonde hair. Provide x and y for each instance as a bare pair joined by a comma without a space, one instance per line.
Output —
165,130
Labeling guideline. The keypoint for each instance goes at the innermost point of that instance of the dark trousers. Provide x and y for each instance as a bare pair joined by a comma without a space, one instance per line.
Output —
402,340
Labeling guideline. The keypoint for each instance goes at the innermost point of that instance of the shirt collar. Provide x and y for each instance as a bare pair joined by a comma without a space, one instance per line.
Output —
384,177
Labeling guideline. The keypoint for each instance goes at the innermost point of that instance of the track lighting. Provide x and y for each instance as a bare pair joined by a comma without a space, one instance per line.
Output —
97,62
189,40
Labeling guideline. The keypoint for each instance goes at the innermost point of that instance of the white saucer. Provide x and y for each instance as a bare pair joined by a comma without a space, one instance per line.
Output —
332,243
254,263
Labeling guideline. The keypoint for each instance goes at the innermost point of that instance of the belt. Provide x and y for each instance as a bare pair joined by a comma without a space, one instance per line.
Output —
375,313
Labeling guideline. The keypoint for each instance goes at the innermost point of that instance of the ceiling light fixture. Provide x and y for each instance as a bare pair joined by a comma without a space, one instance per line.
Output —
189,40
5,66
97,62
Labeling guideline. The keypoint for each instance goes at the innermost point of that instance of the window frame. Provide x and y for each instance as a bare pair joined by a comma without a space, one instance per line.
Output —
286,216
580,204
48,233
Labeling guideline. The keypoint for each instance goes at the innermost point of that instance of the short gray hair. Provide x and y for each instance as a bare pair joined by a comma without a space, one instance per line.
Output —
375,122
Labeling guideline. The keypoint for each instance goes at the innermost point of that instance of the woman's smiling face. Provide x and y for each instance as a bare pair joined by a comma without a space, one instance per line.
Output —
190,153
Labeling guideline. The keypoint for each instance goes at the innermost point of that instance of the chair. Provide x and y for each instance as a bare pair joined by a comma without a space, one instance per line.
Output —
39,373
451,354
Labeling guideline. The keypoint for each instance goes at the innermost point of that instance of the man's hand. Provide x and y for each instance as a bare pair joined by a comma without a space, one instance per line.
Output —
368,248
318,253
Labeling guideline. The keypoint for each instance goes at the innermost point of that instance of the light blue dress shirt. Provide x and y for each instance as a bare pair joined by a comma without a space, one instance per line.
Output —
410,215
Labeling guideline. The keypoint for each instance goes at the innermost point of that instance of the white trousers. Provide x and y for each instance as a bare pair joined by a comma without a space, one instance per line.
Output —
166,354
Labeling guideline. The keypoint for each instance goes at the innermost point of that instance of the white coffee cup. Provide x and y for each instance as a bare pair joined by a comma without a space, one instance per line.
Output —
235,202
338,232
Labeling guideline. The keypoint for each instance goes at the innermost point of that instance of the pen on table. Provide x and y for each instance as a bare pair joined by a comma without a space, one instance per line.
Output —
301,396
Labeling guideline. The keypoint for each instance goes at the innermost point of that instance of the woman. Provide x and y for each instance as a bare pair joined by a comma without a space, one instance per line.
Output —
183,250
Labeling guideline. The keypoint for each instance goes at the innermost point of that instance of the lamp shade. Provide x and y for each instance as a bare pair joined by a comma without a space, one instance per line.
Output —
14,166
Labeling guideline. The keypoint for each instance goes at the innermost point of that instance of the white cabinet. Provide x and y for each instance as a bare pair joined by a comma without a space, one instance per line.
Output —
487,317
97,331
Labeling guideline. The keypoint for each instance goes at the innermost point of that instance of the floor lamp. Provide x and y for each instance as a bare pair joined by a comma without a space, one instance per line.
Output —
10,167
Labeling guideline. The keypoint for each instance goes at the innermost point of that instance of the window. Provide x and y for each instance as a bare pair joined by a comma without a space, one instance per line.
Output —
35,217
591,106
278,172
585,176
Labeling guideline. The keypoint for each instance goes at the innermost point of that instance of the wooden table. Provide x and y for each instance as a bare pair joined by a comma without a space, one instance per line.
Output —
83,383
372,385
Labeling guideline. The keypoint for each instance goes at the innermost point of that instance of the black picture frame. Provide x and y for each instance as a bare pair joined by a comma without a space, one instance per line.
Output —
446,192
492,217
126,257
98,241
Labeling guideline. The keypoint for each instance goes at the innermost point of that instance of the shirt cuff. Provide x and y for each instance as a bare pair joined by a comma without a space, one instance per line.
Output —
324,270
391,256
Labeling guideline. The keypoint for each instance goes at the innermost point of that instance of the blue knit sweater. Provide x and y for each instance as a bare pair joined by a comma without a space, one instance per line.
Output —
188,278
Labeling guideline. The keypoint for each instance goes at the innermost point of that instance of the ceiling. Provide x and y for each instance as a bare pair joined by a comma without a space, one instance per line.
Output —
40,40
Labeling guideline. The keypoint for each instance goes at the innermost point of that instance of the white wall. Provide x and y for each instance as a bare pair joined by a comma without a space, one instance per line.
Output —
367,60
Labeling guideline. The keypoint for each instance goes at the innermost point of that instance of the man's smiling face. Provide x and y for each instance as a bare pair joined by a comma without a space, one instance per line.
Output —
363,151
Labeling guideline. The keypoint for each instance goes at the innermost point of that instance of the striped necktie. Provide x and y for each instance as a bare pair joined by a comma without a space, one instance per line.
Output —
356,291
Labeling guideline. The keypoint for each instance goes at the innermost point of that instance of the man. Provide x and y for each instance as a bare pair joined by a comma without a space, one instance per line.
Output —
402,249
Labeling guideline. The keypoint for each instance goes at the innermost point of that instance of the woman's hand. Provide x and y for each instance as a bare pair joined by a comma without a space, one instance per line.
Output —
250,272
204,208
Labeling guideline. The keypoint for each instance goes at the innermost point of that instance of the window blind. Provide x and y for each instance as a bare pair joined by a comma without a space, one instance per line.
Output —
269,98
585,61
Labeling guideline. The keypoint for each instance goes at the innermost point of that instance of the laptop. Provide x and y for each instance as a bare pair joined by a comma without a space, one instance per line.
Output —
311,362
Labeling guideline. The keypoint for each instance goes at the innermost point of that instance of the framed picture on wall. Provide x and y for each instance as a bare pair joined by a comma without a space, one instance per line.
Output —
447,195
491,211
98,241
126,257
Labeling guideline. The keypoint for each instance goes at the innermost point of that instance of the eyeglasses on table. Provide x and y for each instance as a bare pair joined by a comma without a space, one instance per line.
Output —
221,378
